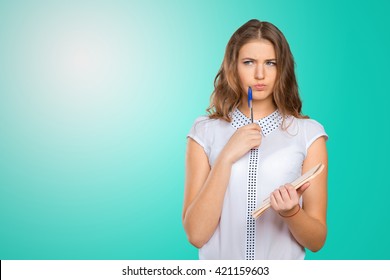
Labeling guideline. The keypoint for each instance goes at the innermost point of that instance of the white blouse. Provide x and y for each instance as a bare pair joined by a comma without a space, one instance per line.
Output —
277,161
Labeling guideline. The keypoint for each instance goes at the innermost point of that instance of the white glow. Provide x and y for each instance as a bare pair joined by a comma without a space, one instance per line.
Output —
76,53
83,61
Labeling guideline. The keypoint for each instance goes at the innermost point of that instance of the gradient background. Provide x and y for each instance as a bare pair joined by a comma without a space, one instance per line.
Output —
96,99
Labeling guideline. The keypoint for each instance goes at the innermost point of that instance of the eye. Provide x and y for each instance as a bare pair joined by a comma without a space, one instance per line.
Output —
248,62
270,63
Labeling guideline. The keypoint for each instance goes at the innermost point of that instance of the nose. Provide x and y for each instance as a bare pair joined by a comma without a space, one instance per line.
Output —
259,72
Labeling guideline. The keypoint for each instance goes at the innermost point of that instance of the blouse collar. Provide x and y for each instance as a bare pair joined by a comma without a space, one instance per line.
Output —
267,124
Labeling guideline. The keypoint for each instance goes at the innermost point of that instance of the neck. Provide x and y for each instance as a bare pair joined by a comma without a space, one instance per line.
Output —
260,109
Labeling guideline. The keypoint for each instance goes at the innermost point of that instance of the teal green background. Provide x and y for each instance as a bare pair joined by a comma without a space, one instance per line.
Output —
92,153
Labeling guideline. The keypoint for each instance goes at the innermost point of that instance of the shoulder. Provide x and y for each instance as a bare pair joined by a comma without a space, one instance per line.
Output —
202,126
305,122
310,124
205,122
203,131
307,125
311,129
202,120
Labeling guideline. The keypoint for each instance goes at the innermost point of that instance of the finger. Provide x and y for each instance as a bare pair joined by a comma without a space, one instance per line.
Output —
294,197
302,189
291,190
285,193
289,196
255,140
253,126
278,205
274,203
278,197
305,184
253,135
255,144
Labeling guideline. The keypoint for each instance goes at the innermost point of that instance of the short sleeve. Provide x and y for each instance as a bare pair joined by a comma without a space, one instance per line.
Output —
313,130
198,132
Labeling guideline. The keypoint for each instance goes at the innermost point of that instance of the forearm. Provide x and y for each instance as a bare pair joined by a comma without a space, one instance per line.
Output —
308,231
202,216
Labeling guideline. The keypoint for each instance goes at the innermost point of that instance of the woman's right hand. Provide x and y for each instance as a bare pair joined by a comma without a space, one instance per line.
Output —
242,141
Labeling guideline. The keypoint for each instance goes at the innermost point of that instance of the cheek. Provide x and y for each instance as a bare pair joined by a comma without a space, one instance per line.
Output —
272,80
273,76
243,74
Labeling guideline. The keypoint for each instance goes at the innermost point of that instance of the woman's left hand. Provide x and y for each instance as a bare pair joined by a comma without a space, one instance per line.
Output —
285,199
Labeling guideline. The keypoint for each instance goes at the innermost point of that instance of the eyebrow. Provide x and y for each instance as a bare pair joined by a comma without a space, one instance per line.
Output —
269,59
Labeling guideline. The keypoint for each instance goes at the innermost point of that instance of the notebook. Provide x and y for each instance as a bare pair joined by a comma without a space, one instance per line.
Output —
309,175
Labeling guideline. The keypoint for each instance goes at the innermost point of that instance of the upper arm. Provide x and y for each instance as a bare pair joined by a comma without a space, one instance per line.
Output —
197,171
315,197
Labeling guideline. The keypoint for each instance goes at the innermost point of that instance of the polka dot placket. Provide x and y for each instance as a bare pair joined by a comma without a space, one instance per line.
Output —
267,124
251,205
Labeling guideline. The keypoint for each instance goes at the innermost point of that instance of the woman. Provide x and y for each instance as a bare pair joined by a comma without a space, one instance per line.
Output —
232,164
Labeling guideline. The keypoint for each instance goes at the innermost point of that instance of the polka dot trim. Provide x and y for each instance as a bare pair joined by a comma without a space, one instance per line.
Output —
267,124
239,119
251,205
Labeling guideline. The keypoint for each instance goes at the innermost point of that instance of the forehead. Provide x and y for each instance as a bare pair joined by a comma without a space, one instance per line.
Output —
257,49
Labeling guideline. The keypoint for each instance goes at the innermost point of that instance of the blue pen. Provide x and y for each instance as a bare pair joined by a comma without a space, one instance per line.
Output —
250,102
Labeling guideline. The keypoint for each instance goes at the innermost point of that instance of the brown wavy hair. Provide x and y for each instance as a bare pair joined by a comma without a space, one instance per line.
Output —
228,93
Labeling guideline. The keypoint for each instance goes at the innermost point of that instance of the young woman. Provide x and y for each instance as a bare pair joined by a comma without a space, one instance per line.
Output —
232,164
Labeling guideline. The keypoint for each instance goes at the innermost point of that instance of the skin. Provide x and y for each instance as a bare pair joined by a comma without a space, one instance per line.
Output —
257,65
205,186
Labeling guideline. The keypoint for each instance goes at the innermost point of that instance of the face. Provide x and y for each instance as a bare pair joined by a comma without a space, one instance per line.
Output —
256,68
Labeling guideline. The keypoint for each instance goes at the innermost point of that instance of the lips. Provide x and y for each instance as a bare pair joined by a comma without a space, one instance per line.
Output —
259,86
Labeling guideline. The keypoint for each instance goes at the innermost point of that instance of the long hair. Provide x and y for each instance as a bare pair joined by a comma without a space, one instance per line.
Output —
227,94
